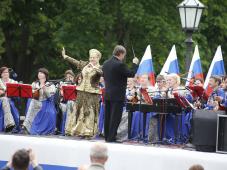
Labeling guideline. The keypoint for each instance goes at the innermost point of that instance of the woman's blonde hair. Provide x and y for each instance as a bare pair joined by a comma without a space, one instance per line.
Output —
95,52
175,76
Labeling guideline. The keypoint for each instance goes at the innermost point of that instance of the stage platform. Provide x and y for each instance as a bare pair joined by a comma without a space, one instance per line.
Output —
62,153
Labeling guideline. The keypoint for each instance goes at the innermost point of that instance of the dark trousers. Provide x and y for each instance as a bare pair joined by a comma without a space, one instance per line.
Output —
113,114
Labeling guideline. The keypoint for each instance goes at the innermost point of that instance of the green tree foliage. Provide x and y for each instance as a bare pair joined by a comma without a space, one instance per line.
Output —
27,28
32,32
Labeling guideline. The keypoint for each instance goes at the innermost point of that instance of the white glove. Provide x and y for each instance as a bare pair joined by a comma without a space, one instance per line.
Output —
63,53
135,60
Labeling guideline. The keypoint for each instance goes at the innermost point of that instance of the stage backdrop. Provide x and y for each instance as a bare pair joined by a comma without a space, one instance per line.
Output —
65,154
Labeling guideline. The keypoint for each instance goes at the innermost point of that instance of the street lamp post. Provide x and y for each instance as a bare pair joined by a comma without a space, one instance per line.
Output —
190,14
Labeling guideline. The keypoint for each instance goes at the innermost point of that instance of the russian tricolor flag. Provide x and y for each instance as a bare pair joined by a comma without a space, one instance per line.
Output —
171,64
146,66
216,68
195,70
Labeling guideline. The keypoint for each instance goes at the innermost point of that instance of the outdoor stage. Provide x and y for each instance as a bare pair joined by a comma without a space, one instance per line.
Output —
56,153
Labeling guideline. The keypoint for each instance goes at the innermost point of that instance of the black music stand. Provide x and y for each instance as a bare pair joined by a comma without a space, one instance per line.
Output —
168,105
159,106
187,107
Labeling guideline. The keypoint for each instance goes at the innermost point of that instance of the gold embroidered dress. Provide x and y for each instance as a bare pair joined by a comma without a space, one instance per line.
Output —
86,108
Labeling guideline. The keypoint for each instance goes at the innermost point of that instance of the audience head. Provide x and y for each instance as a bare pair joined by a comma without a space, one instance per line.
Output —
119,52
99,153
20,160
196,167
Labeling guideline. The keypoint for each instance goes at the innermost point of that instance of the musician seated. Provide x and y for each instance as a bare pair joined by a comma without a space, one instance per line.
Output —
131,96
217,97
101,110
160,89
156,121
197,100
173,85
78,79
137,118
198,82
225,90
67,106
131,91
41,113
9,115
144,84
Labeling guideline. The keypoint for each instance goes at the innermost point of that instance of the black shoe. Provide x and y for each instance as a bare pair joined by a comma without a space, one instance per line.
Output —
9,128
57,132
111,140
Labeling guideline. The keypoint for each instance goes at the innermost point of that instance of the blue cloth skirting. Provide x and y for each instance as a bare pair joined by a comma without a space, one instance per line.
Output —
45,120
15,114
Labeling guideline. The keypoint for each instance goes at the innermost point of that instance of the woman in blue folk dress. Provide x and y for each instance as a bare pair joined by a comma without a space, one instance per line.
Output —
173,85
122,132
156,121
225,90
101,110
137,117
9,115
41,113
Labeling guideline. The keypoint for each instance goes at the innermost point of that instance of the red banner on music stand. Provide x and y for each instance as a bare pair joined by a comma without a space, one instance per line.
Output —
69,92
18,90
146,96
199,91
182,101
12,90
179,100
26,90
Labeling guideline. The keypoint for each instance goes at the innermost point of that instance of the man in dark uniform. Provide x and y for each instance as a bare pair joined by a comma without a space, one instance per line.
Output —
115,76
